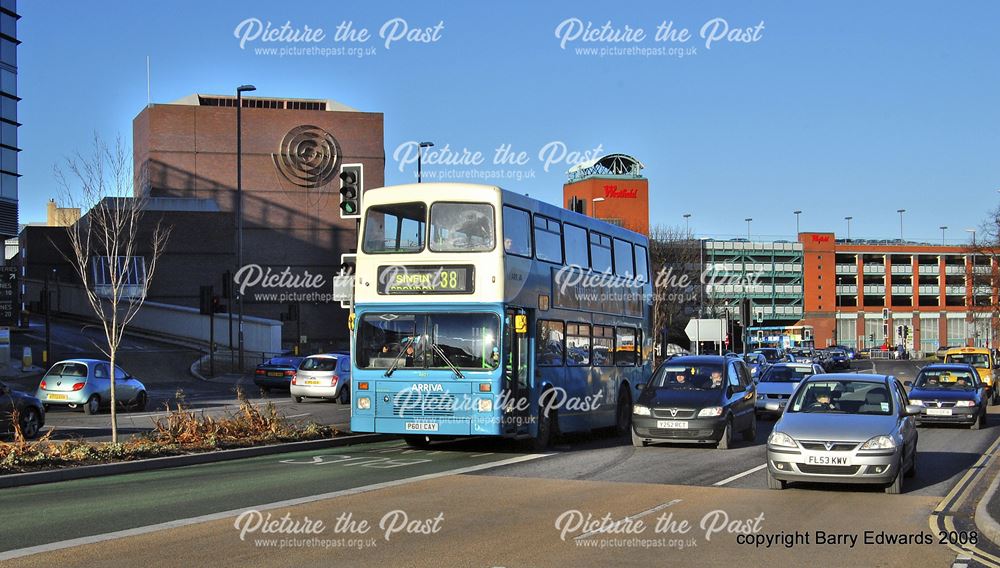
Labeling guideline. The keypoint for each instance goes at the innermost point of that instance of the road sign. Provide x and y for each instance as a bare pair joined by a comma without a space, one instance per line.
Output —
706,330
8,295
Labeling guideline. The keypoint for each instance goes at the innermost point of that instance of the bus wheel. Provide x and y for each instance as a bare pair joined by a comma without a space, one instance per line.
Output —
417,441
547,431
623,424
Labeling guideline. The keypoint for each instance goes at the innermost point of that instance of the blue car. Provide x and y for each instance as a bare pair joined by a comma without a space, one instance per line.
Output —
276,373
951,394
757,364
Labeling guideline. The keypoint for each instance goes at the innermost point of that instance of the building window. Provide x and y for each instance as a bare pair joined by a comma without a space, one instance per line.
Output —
8,82
129,273
8,52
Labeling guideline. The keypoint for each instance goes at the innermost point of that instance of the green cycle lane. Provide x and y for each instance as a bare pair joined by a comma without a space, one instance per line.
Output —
53,512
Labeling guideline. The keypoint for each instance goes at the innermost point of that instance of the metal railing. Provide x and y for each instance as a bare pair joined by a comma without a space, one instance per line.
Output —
226,362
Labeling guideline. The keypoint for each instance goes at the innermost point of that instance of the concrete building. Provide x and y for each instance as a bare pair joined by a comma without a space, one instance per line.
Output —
294,235
861,293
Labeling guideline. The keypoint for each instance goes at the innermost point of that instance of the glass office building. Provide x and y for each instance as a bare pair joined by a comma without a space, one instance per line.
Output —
8,118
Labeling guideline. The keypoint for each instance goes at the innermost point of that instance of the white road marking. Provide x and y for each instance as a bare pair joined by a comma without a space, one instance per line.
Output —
298,415
739,475
629,518
60,545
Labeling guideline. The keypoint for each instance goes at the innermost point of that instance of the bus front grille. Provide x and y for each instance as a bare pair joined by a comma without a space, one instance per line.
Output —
411,404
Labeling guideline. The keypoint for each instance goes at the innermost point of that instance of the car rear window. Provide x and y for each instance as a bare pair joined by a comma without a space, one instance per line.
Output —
283,361
68,370
319,364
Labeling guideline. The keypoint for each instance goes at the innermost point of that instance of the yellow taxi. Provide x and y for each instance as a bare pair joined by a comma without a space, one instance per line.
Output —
982,360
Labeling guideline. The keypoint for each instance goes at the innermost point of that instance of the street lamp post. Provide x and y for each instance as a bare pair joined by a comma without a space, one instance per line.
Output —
848,219
748,219
900,211
239,202
420,157
943,228
973,231
797,213
687,224
595,201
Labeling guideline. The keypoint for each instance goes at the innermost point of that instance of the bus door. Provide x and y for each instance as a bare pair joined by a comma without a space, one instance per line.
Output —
515,357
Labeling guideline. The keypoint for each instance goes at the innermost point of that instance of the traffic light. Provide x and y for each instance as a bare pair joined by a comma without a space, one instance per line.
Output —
205,300
899,330
350,190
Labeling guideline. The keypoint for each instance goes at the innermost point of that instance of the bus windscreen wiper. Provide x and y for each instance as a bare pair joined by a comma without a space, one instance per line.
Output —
437,349
395,362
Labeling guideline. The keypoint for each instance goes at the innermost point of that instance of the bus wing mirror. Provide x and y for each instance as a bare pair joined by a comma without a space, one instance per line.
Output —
520,323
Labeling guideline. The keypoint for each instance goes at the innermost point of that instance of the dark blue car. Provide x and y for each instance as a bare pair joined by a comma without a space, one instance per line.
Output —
949,393
276,372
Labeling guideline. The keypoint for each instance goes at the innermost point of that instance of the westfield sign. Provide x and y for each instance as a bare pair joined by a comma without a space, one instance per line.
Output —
612,192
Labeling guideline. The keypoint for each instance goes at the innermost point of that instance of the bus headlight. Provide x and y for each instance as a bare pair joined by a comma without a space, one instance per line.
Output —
485,405
364,403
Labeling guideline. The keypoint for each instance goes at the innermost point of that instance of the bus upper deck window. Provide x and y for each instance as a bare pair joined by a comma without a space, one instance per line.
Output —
462,227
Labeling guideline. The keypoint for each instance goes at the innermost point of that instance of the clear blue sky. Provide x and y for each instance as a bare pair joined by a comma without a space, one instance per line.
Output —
838,108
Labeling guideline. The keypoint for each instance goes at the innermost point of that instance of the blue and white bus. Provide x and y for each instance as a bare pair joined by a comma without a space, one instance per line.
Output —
482,312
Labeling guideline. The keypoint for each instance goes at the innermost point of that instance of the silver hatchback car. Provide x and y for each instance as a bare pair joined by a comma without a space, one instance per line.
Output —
844,428
327,375
87,383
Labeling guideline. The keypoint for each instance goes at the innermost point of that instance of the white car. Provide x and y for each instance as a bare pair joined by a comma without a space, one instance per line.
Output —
327,375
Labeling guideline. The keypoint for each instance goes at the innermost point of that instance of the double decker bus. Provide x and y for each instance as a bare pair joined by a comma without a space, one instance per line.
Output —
482,312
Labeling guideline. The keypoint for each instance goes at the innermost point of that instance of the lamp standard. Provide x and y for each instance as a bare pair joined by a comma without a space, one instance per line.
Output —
848,219
797,213
420,158
239,202
900,211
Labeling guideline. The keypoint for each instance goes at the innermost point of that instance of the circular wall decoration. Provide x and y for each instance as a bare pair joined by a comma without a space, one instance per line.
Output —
308,156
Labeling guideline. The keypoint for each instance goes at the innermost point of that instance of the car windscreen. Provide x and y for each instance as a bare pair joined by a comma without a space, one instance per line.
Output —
786,374
770,354
941,379
978,360
319,364
752,359
68,370
699,376
843,396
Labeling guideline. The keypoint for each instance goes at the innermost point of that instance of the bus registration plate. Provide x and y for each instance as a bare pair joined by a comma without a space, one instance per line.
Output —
421,427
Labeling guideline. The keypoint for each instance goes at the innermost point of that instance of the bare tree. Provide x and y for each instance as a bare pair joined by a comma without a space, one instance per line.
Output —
111,250
675,262
985,251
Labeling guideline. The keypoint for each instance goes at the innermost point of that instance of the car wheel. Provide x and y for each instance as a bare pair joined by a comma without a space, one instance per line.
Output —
31,422
141,400
345,395
93,405
265,390
298,399
750,434
896,487
417,441
773,483
623,421
45,407
637,441
726,441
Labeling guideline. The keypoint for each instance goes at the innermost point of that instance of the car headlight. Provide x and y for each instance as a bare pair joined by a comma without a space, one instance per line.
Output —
965,403
641,410
364,403
710,411
485,405
917,402
780,439
754,370
761,396
879,443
